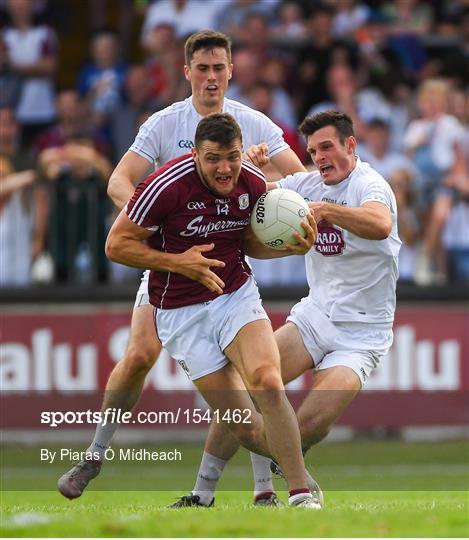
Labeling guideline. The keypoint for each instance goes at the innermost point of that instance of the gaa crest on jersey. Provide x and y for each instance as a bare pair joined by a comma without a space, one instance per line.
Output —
243,201
330,240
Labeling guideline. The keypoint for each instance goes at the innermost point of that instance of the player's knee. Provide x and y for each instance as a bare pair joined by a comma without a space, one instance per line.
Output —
140,359
266,378
247,434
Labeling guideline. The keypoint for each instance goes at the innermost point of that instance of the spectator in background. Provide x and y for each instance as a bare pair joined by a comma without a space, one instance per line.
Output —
409,17
126,10
168,83
255,36
10,80
72,122
455,62
377,151
409,21
316,56
187,16
32,54
456,227
77,158
350,15
346,96
408,224
290,24
72,159
23,207
101,81
231,18
456,239
125,122
380,60
246,74
434,142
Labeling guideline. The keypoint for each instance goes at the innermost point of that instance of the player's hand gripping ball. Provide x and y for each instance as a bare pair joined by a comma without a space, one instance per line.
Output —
278,214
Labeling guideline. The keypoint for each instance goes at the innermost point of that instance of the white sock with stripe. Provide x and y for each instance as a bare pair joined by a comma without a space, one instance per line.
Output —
210,470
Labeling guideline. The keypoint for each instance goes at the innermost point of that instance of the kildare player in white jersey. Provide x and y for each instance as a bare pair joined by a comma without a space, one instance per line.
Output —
343,327
167,134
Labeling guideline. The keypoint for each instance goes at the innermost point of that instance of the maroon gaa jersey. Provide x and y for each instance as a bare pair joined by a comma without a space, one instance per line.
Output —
182,212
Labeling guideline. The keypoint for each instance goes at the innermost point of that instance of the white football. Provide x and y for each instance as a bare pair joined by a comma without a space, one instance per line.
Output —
278,214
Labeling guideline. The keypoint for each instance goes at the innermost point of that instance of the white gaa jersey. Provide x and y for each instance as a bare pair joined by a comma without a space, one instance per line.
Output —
169,133
351,278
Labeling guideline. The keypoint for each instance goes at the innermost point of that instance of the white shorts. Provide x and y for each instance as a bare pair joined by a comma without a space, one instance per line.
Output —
358,346
197,335
143,298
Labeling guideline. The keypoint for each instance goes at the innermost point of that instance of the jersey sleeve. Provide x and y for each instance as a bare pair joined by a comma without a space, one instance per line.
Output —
297,182
150,204
377,190
273,136
289,182
149,138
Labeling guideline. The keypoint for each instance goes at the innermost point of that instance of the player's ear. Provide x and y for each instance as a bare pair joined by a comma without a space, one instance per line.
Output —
230,71
194,153
187,72
351,144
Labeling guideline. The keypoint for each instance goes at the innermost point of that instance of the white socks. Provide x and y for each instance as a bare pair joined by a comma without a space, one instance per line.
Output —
210,470
102,438
262,474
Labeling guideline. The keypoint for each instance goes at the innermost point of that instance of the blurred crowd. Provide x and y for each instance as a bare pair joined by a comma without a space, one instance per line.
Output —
400,69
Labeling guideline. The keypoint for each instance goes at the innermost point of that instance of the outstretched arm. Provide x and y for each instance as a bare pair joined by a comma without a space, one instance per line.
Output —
125,244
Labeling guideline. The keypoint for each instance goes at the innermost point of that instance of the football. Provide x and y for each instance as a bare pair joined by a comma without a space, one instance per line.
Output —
277,214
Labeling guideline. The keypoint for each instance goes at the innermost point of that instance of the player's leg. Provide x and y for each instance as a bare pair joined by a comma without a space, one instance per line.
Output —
221,327
125,384
221,445
224,390
254,352
332,392
123,391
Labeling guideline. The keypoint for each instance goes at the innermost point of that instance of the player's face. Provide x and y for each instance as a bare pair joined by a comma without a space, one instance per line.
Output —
334,160
219,166
209,73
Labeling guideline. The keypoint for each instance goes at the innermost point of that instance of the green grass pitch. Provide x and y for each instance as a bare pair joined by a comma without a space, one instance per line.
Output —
372,489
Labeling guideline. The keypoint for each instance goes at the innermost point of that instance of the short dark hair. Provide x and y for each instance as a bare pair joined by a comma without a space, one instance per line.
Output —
217,127
207,40
341,121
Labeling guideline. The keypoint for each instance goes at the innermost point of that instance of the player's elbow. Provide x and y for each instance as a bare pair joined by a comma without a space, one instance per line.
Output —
112,189
383,229
111,247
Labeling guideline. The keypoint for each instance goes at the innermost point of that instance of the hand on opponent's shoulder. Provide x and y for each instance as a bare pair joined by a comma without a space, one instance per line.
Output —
257,154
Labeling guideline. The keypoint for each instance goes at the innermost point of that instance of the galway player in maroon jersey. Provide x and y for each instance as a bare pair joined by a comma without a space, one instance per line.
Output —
208,311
